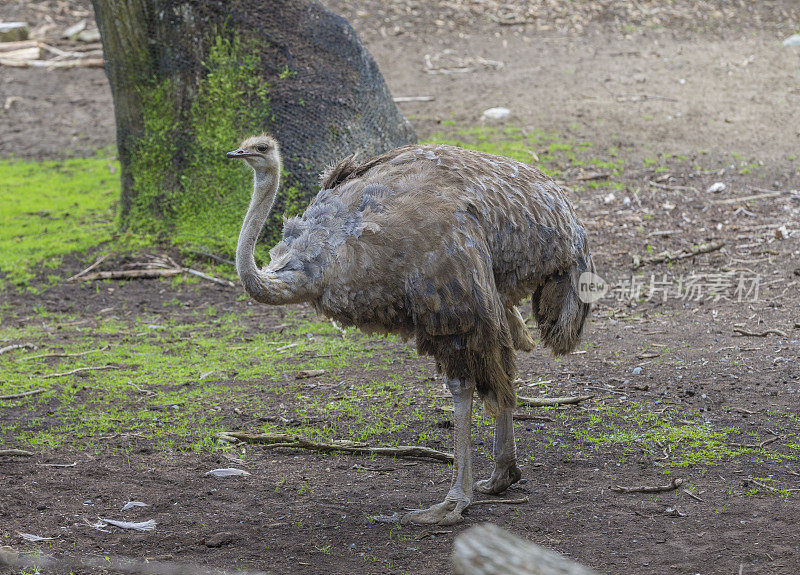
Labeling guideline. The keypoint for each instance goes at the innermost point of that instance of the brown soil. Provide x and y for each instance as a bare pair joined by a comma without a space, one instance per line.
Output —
715,86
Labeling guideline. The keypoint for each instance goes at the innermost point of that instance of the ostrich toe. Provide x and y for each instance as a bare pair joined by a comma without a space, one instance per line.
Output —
501,479
447,512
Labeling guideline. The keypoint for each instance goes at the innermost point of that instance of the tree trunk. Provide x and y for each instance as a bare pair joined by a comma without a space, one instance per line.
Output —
191,78
489,550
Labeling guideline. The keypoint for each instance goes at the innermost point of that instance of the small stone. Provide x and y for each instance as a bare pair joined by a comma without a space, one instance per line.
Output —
609,198
219,539
716,187
793,40
637,371
496,114
781,233
13,31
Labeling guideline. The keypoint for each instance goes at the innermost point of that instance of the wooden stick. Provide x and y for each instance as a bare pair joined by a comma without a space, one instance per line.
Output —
51,64
200,274
503,501
97,262
666,257
693,496
15,453
23,394
752,198
399,99
759,334
273,440
78,370
132,274
674,484
551,401
14,346
82,353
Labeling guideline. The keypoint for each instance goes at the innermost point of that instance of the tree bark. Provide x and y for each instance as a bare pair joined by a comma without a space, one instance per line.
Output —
191,78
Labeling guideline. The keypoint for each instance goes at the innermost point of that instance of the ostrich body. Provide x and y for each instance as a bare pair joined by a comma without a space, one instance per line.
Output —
437,243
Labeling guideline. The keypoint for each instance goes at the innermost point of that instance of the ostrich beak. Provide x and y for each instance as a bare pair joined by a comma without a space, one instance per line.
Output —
239,153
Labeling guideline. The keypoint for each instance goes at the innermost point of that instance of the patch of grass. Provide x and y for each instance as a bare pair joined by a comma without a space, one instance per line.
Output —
50,209
673,439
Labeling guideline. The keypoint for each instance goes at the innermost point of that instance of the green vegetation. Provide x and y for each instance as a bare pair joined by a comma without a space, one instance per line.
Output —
50,209
548,151
184,189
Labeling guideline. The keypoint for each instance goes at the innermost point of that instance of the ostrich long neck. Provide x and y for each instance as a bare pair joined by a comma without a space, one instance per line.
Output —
262,286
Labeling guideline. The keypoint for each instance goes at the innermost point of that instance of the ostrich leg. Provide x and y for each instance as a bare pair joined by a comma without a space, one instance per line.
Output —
505,471
460,495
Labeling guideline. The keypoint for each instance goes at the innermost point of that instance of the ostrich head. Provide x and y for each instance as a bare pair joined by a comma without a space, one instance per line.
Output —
260,152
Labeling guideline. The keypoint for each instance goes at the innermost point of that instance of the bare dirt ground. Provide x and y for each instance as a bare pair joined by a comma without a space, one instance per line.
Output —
681,97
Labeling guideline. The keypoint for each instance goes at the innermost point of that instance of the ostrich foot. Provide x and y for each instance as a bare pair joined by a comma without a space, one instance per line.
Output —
501,479
447,512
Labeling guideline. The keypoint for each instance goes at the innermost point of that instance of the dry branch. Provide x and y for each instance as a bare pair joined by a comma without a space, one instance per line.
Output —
759,333
674,484
96,263
78,370
14,346
275,440
79,354
667,257
132,274
551,401
501,501
489,550
51,64
752,198
15,453
23,394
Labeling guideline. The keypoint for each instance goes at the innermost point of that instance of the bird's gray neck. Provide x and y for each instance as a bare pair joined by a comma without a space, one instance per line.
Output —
262,286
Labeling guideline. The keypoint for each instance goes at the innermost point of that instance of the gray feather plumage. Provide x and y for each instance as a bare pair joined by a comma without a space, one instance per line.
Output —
441,243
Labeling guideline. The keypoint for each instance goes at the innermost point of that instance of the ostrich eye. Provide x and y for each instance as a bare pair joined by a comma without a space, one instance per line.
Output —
262,148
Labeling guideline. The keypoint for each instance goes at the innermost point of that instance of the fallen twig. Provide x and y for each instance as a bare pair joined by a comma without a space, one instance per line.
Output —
14,346
79,354
551,401
673,187
667,257
760,333
531,417
50,64
400,99
274,440
23,394
674,484
78,370
80,274
760,484
15,453
73,464
693,496
503,501
205,276
752,198
132,274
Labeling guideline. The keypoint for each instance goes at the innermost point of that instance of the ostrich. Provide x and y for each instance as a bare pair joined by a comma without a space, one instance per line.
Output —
437,243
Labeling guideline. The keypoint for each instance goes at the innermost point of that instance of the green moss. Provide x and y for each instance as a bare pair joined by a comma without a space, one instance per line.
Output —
50,209
184,189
